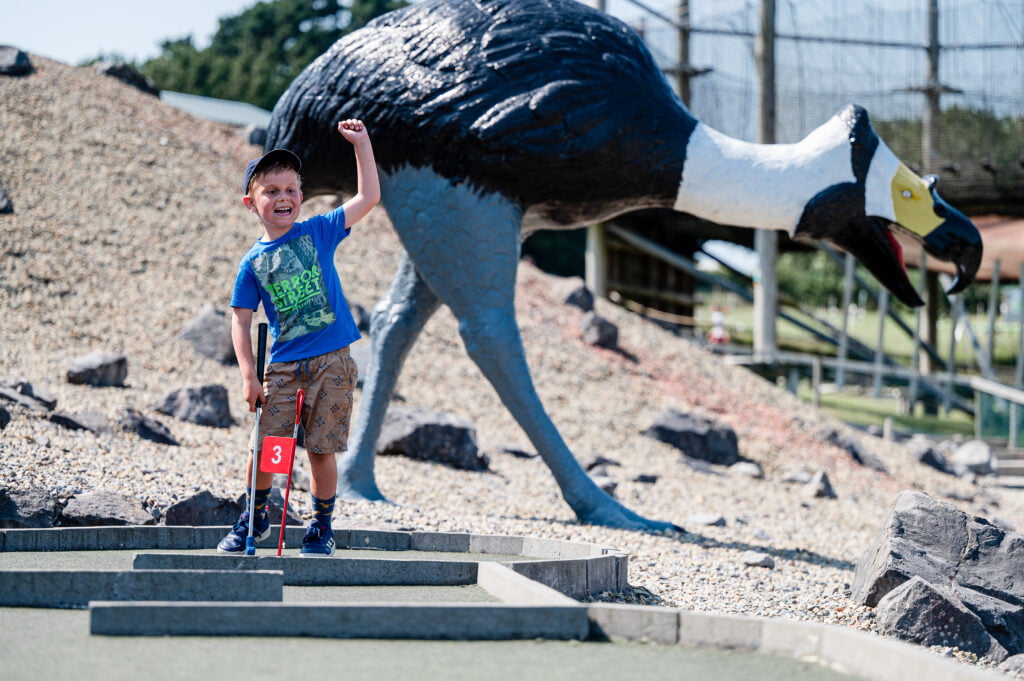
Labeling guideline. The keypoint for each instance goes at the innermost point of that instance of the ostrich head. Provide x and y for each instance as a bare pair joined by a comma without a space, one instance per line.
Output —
885,197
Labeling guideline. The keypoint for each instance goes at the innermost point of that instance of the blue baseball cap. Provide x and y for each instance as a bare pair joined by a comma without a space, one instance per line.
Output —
282,156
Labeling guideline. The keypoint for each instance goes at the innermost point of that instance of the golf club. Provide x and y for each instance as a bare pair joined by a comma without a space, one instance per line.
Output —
261,356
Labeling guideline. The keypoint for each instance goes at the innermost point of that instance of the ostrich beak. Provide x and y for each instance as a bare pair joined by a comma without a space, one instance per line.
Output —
955,240
924,216
945,232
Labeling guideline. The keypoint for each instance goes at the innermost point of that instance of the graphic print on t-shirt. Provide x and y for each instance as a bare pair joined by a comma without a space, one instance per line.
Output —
292,276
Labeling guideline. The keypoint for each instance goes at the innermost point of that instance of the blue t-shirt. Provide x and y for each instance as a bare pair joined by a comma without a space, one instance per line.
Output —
295,279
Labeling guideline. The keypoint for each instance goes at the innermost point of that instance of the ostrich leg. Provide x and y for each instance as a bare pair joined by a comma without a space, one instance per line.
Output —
465,246
397,321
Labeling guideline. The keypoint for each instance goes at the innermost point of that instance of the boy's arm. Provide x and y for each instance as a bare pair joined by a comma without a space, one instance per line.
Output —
367,182
241,338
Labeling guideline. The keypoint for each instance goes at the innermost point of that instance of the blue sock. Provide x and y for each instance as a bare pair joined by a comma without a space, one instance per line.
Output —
323,510
259,501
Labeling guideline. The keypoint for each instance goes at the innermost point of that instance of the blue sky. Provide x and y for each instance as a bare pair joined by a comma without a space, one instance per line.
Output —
74,30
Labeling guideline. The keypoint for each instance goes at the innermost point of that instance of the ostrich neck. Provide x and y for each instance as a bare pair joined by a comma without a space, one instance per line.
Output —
765,186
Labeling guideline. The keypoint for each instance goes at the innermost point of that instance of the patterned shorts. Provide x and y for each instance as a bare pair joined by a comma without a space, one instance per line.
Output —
328,381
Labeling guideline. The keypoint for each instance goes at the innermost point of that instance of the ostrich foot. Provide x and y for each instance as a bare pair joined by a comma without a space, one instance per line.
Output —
611,513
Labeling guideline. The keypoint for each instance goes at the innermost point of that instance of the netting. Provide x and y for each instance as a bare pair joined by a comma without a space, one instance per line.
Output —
820,69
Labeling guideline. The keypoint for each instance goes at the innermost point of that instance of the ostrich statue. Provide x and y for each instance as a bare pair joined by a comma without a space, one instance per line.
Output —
493,118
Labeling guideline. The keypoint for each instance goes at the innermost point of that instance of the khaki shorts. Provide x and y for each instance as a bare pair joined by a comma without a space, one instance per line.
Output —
328,381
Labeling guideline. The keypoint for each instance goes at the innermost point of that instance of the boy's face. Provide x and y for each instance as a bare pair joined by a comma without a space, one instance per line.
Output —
276,199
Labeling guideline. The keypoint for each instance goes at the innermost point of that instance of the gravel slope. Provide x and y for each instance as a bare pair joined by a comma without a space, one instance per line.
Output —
127,222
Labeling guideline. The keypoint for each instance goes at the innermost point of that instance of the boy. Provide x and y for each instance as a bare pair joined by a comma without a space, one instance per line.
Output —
290,270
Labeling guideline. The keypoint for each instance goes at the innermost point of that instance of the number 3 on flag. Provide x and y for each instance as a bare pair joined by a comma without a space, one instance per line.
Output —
277,454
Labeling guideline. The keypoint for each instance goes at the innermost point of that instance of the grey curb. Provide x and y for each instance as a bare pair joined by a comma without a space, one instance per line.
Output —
537,592
458,622
323,571
75,588
510,587
857,653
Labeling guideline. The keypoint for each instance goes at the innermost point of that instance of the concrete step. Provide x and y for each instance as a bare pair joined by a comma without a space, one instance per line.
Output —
465,621
323,571
75,588
1013,467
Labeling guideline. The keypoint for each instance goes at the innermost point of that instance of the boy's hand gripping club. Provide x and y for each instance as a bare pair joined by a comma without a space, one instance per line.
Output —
261,356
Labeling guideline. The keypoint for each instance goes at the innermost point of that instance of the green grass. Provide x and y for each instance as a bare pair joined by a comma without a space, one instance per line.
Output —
866,410
864,328
856,406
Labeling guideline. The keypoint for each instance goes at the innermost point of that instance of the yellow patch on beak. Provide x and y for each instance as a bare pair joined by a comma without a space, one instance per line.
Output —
912,202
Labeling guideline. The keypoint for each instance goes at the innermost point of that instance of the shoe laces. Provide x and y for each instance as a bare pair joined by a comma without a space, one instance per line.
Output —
315,530
242,526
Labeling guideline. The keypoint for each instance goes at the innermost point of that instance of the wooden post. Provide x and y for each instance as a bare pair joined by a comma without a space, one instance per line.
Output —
595,260
951,367
883,312
932,92
816,381
844,336
916,355
766,287
683,60
1018,379
993,306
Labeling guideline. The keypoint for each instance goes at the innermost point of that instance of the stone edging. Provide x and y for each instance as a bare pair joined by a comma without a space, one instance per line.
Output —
536,594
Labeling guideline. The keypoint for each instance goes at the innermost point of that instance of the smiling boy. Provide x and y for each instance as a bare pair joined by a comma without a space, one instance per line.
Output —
291,272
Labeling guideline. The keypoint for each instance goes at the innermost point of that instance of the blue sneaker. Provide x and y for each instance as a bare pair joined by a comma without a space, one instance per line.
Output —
318,542
234,541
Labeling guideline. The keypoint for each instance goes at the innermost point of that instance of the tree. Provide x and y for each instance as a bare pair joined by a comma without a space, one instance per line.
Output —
254,56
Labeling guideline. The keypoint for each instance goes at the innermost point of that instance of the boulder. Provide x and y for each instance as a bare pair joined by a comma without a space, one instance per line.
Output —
14,62
6,205
573,291
931,615
857,451
361,318
515,451
31,509
607,484
599,331
21,386
706,519
797,475
5,418
205,405
758,559
943,546
146,427
99,369
209,332
747,469
127,75
922,449
103,508
698,437
86,420
598,462
1013,664
818,487
203,508
254,134
430,436
974,457
27,400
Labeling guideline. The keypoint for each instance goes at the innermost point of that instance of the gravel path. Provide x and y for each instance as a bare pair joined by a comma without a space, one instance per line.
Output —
127,222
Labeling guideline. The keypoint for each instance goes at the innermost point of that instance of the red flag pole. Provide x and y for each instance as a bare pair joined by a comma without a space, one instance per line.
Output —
300,397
